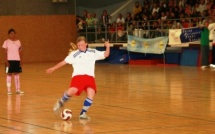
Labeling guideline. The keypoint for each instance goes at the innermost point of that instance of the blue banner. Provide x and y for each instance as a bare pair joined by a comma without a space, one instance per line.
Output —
142,45
190,35
184,35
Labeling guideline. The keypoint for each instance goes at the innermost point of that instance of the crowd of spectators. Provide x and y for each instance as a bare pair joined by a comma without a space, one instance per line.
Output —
149,19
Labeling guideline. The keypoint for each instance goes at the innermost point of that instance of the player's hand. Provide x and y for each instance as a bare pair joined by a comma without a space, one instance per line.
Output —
50,70
107,44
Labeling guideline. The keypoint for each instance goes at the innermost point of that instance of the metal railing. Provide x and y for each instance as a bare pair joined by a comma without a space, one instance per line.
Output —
143,29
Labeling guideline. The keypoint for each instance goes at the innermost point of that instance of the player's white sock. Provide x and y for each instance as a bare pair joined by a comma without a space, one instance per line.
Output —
17,82
8,82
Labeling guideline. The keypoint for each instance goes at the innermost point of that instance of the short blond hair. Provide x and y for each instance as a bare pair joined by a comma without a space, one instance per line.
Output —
74,46
81,38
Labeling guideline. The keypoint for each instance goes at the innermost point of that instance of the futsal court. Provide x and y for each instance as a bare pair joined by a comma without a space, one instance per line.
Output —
131,99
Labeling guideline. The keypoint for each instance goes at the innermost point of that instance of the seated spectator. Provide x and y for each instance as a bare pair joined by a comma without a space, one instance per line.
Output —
96,20
188,10
100,35
163,7
185,23
144,27
208,5
202,6
137,8
155,15
169,24
163,16
132,27
112,28
79,23
176,25
84,17
180,10
181,3
128,19
156,8
170,4
120,19
165,29
154,30
194,23
121,33
211,13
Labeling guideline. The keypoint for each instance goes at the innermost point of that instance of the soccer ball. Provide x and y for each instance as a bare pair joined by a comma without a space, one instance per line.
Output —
66,114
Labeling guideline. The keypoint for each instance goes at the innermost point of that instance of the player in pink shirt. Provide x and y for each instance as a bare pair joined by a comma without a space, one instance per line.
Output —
83,62
12,48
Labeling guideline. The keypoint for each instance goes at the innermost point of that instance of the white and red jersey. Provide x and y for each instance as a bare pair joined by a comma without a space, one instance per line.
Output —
13,48
84,62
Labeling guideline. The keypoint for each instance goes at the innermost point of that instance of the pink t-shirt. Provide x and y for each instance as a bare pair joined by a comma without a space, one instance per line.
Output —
13,48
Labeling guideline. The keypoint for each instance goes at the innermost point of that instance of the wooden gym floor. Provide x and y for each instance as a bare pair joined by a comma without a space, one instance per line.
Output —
131,99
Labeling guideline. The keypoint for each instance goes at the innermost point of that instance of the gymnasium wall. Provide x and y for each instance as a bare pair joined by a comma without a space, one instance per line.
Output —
36,7
44,28
44,38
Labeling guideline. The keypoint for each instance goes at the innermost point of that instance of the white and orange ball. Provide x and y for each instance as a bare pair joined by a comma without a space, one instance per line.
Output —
66,114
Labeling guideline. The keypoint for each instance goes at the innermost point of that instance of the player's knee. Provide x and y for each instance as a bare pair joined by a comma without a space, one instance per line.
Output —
90,93
72,91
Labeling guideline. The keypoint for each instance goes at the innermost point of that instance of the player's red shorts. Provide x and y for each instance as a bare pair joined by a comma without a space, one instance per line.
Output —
82,82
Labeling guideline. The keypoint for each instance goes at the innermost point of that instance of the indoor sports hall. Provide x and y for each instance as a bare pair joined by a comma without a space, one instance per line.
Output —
140,90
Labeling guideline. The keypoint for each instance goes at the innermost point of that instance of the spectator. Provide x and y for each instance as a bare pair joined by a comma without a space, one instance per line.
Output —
204,45
121,33
100,35
128,19
112,31
170,4
90,28
132,27
196,10
185,23
188,10
137,8
154,30
180,11
105,20
163,16
84,17
208,5
165,30
79,23
181,3
96,20
163,7
155,9
120,19
202,6
145,26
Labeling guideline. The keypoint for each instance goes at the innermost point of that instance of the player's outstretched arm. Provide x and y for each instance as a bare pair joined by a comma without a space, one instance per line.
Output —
52,69
107,51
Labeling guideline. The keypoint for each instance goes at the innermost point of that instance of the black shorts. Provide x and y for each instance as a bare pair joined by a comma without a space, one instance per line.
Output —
14,67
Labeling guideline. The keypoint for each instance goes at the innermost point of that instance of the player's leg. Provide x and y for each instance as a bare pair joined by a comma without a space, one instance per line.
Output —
66,96
8,77
213,56
8,83
87,103
17,83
